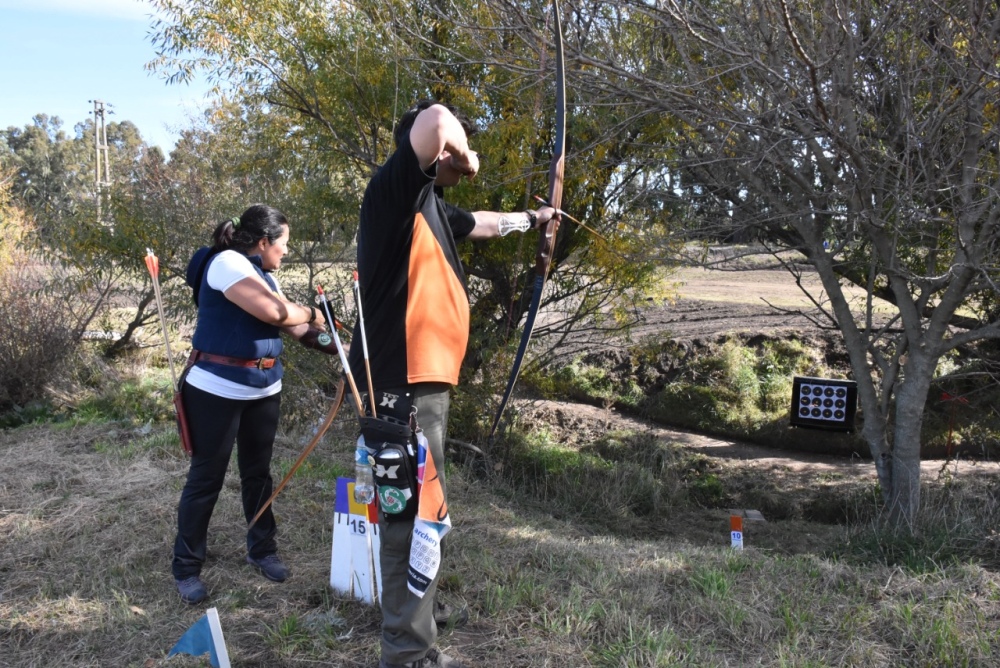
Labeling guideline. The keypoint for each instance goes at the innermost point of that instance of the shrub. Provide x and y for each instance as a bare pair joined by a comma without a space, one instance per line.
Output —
736,385
135,399
37,337
36,341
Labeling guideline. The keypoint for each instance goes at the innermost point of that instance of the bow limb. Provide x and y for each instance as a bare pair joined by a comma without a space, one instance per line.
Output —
338,401
547,240
547,236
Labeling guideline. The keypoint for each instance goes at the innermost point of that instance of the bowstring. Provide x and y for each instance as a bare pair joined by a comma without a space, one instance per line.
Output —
536,114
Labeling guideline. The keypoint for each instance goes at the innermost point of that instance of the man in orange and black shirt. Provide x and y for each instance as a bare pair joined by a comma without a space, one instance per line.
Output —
417,317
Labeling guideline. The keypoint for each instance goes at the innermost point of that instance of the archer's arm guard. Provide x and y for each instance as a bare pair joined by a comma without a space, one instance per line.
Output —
319,340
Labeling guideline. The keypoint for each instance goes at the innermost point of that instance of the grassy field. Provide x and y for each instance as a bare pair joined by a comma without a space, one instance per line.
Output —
606,546
563,560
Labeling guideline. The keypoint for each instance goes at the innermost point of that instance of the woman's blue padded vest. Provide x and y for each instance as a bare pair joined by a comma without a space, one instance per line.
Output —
225,329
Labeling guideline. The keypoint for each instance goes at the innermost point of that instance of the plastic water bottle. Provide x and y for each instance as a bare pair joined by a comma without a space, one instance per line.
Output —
364,483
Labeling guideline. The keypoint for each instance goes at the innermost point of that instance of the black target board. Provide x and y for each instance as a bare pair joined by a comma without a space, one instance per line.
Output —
823,403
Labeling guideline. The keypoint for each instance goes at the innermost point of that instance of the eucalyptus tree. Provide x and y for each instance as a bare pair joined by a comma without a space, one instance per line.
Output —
55,181
863,135
54,169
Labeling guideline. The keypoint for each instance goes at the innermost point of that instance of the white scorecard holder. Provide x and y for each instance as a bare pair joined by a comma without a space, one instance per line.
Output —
354,558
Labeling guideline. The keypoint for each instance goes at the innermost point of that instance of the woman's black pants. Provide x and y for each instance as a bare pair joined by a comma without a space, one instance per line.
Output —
216,424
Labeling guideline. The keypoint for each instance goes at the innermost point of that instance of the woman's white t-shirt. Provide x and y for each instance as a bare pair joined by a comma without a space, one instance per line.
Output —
226,270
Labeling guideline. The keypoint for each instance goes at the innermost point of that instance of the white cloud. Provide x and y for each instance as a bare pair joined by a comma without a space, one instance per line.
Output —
137,10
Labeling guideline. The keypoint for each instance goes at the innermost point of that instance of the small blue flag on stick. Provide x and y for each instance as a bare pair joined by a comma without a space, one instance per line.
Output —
205,635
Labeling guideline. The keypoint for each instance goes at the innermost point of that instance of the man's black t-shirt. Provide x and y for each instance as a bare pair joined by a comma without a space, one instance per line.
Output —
416,308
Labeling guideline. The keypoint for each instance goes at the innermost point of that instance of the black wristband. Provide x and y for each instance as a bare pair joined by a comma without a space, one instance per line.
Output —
312,316
532,218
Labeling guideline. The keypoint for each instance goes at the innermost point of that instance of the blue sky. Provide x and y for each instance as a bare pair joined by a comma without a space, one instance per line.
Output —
59,54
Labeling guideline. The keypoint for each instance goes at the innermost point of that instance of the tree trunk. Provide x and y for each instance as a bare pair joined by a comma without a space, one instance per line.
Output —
911,397
141,318
874,433
873,429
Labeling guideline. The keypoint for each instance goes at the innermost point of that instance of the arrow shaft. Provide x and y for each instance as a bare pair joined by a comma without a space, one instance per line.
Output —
562,213
364,343
153,265
343,356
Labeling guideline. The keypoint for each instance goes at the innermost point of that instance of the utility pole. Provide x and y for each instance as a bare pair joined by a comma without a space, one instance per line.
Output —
101,180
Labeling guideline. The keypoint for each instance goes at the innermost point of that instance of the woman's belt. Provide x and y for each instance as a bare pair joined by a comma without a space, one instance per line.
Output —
260,363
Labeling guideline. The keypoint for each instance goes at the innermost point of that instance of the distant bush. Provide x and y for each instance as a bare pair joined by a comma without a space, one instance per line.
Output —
132,398
36,340
37,337
740,386
309,386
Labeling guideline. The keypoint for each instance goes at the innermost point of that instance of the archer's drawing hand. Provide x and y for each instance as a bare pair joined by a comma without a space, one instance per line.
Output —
467,164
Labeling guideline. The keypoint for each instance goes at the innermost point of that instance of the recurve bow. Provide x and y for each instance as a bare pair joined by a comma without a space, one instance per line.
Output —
547,237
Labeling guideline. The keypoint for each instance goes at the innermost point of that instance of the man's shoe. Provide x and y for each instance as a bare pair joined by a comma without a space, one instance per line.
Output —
192,590
434,659
271,567
445,615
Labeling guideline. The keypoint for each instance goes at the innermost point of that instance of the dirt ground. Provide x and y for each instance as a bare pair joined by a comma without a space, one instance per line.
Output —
713,302
589,422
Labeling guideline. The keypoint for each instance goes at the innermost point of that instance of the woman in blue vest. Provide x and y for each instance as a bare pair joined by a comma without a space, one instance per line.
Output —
232,392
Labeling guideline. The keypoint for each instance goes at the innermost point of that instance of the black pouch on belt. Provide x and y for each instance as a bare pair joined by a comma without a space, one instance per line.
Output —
395,469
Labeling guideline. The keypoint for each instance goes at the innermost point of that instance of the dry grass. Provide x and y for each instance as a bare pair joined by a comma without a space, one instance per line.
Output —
87,518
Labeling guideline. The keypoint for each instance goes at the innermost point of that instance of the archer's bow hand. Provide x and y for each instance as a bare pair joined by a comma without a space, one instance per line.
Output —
543,216
316,318
318,339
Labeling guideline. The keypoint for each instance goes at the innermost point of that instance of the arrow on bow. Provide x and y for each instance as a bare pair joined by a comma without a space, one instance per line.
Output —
547,237
562,213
